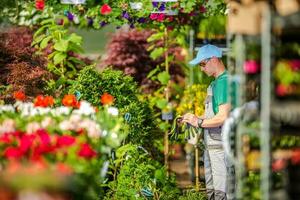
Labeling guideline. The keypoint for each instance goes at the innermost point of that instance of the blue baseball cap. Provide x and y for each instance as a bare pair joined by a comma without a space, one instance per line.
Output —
205,52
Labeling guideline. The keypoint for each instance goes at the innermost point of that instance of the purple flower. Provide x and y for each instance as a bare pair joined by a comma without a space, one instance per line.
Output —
141,20
155,4
103,23
162,7
90,21
132,26
70,16
125,15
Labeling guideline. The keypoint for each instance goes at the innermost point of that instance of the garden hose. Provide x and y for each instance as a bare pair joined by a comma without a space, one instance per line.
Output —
187,129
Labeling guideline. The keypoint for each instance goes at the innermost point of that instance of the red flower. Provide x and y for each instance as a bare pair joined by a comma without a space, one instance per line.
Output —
70,100
26,142
6,138
107,99
12,152
295,158
86,151
202,9
44,136
40,4
279,164
65,140
105,9
19,95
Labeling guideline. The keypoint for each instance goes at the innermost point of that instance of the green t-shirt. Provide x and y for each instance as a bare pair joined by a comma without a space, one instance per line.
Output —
220,91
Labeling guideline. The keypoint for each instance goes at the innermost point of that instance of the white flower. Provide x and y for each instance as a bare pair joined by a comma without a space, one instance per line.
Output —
47,122
7,108
8,126
75,118
62,110
32,127
114,135
76,19
66,125
104,133
113,111
92,128
85,109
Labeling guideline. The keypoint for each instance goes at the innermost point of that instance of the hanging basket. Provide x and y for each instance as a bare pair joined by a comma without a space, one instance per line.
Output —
76,2
168,10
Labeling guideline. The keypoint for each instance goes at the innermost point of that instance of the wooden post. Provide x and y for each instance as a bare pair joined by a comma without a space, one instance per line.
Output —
167,96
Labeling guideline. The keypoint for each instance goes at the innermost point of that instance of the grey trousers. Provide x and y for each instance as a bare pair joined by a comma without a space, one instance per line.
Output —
215,174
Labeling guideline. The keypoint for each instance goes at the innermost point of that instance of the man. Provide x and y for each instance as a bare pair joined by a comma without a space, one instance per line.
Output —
217,110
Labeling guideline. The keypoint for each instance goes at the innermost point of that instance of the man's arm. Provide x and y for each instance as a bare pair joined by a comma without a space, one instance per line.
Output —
219,118
215,121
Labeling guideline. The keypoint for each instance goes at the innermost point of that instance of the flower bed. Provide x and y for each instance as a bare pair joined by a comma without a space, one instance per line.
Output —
72,140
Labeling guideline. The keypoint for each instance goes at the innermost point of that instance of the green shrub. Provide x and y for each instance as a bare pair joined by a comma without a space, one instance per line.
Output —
193,195
92,84
138,172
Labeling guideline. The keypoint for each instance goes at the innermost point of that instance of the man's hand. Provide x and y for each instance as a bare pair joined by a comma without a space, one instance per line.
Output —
191,119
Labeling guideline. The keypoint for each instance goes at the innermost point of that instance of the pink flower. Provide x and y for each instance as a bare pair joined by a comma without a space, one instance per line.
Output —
105,9
86,151
251,66
153,16
161,17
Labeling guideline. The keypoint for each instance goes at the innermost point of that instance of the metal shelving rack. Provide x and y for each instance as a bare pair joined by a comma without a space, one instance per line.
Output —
238,77
265,107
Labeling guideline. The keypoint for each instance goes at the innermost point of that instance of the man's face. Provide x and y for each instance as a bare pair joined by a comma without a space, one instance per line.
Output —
208,66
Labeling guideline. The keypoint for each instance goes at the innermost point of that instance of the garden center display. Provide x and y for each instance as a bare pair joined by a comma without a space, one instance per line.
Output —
128,119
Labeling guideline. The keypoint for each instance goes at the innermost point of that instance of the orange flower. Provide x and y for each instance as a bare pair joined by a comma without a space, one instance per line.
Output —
70,100
19,95
39,101
48,101
107,99
43,101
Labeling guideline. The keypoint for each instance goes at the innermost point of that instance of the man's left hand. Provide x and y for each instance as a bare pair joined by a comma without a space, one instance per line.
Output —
191,119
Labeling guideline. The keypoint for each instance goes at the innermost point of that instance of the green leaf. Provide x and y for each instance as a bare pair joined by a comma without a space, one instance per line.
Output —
156,53
39,31
163,77
152,72
75,38
161,103
61,45
47,21
59,57
155,37
159,175
44,42
38,39
77,61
